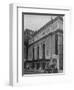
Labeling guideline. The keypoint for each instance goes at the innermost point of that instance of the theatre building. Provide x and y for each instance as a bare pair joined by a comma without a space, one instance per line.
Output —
44,50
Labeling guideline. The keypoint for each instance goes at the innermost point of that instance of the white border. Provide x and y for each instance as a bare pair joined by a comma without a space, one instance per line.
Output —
16,52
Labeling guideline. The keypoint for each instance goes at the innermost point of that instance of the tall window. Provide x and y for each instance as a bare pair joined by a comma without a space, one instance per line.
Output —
56,44
33,53
43,51
61,53
38,52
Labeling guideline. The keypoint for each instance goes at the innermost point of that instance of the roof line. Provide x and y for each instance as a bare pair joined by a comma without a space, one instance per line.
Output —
50,22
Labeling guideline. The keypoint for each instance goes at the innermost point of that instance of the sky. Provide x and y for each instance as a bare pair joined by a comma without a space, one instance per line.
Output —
35,22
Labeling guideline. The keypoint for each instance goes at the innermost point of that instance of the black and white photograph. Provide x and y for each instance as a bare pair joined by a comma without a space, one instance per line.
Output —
42,43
